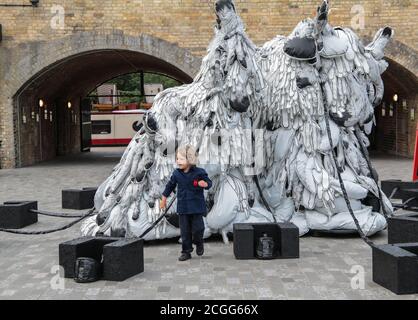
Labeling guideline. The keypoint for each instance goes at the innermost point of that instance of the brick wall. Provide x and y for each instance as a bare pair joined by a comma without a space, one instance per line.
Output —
189,22
30,43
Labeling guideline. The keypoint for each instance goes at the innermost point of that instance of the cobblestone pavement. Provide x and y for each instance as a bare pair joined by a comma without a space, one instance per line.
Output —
28,263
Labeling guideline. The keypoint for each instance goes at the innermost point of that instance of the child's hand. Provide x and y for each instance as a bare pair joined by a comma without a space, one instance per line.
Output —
203,184
163,203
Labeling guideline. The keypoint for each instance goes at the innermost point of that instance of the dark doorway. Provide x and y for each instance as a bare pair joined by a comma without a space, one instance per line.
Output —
396,117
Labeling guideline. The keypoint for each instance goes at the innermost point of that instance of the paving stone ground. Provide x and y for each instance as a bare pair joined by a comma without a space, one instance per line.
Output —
28,263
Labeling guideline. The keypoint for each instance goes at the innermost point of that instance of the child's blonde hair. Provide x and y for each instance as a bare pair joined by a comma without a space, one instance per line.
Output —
189,153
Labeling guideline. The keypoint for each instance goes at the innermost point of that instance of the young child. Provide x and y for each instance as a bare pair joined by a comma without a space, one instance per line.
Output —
191,207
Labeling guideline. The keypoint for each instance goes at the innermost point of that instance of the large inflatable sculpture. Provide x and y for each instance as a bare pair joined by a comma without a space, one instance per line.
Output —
281,129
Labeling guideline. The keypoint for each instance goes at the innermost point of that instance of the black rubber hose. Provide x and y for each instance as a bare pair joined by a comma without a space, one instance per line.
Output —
257,183
56,214
366,156
159,219
88,214
344,191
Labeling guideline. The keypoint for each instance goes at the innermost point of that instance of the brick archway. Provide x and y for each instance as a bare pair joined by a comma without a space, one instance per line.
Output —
34,62
404,56
397,120
49,53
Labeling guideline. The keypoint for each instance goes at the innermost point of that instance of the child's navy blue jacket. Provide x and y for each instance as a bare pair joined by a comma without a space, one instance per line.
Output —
190,197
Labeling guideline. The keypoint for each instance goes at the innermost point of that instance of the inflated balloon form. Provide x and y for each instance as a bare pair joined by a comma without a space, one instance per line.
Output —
281,130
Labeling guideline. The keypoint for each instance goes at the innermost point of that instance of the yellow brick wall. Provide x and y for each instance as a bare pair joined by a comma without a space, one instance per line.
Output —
189,22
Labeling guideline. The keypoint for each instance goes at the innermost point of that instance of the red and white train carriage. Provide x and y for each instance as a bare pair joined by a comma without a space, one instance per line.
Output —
115,128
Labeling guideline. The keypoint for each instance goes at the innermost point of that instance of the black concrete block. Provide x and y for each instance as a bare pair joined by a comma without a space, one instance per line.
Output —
89,247
395,267
122,258
389,185
403,229
405,190
285,236
243,241
289,241
17,215
78,199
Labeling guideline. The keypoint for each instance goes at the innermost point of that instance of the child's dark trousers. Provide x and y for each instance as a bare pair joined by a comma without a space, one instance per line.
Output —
192,229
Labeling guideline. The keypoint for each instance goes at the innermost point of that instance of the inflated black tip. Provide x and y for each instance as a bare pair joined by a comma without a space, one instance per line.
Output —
251,202
149,165
137,126
270,126
387,32
152,123
240,105
301,48
101,218
221,4
140,176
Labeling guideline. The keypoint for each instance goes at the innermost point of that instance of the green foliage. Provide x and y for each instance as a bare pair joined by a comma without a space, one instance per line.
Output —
130,84
128,97
158,78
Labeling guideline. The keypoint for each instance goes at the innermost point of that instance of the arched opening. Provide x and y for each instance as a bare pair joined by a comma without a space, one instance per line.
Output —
397,116
49,105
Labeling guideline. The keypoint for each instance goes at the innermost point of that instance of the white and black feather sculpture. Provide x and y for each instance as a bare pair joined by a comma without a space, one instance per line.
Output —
258,117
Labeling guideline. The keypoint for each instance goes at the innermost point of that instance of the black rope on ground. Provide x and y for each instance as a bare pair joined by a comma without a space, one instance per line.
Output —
366,156
55,214
88,214
343,189
159,219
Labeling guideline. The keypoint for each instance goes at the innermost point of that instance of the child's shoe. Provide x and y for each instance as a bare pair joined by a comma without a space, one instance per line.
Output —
185,256
200,249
